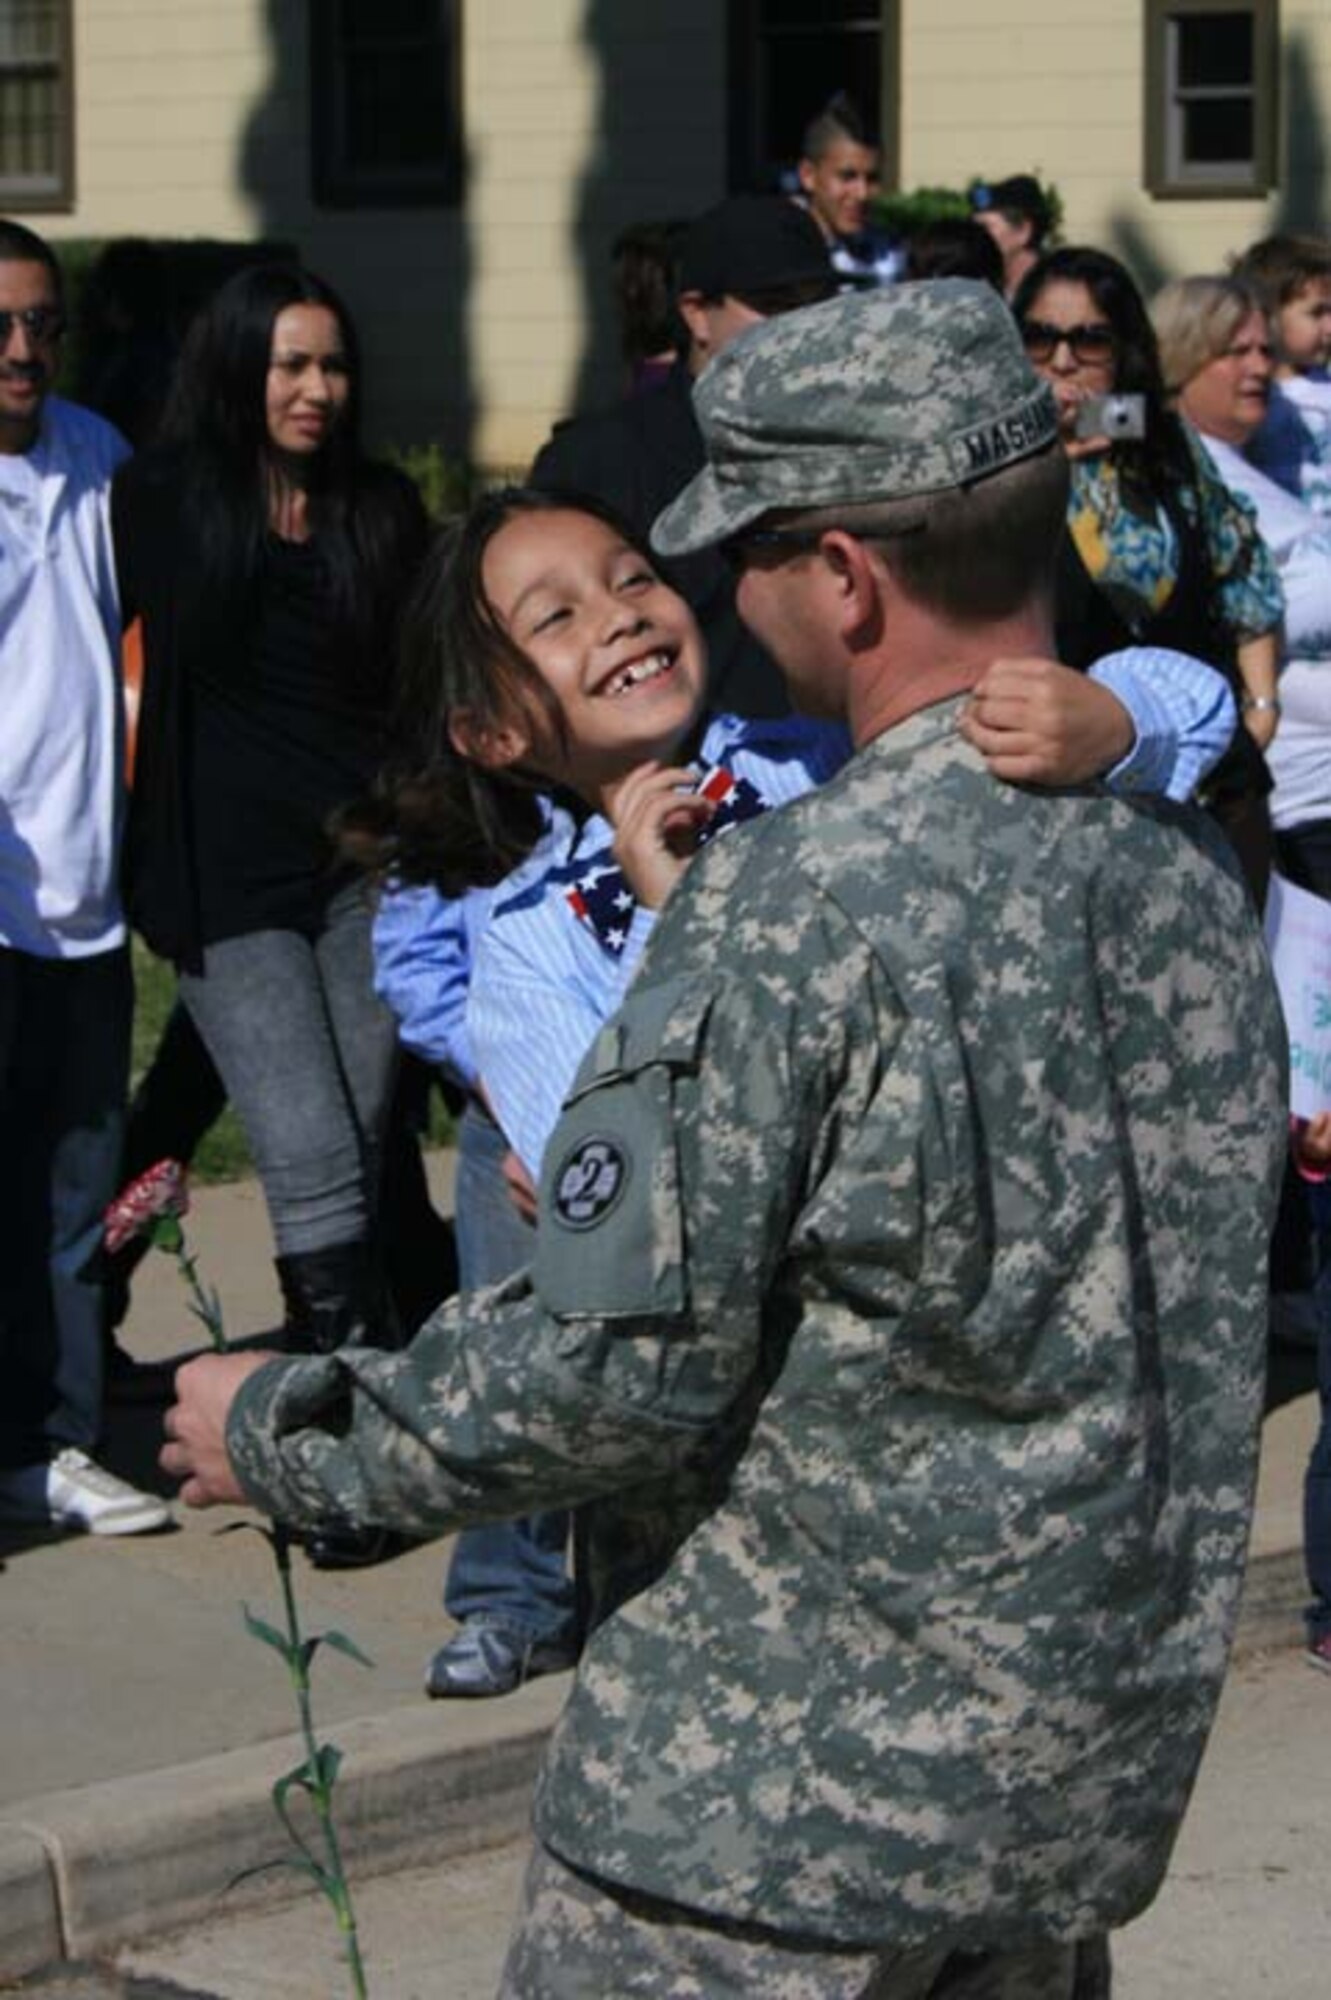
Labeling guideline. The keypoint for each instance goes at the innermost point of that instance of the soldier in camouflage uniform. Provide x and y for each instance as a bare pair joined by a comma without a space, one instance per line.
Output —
902,1251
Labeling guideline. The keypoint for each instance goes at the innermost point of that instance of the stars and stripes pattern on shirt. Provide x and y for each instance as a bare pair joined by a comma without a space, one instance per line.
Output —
602,897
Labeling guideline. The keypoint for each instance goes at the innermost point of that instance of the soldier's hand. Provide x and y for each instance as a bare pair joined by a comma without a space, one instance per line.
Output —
195,1426
1038,723
656,813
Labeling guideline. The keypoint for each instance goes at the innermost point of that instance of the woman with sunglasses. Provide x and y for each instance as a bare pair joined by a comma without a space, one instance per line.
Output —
1158,550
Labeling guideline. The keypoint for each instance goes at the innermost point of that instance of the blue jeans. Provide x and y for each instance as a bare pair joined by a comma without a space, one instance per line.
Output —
64,1076
306,1051
513,1572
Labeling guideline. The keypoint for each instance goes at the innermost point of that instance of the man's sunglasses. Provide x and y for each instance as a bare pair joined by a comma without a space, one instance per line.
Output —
40,323
740,548
1095,342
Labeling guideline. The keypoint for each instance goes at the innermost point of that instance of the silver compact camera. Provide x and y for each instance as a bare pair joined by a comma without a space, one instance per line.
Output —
1112,417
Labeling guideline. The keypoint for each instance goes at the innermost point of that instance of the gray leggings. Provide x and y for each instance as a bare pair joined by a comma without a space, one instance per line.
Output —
306,1051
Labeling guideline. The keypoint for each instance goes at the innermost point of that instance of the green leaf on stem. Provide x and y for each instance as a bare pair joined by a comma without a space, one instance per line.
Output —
330,1763
300,1864
165,1233
340,1644
268,1635
304,1779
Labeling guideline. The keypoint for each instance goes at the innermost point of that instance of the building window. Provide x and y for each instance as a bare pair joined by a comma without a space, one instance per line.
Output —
787,58
387,102
36,105
1211,85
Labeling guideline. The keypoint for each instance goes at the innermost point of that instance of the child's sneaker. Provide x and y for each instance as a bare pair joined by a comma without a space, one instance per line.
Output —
73,1491
1319,1652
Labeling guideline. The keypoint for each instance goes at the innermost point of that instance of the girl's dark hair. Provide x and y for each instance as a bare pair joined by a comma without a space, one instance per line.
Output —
1162,456
215,423
436,816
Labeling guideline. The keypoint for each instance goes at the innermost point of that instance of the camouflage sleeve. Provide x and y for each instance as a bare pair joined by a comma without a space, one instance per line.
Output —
693,1135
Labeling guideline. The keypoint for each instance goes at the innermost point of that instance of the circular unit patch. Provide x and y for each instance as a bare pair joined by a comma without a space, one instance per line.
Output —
590,1181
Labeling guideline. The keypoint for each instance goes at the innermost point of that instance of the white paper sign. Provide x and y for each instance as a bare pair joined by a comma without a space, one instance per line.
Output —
1298,936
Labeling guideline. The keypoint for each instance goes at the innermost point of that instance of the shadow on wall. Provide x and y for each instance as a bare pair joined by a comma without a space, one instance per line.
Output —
658,151
1300,201
656,148
404,271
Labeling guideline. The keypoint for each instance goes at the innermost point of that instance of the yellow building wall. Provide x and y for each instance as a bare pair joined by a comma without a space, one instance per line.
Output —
481,324
1056,87
484,323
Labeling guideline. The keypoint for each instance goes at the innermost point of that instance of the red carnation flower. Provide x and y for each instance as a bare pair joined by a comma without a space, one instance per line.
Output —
159,1195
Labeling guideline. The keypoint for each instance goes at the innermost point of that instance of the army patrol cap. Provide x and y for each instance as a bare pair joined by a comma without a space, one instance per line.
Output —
884,395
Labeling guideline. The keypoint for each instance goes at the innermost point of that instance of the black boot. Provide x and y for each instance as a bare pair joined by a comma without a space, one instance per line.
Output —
336,1298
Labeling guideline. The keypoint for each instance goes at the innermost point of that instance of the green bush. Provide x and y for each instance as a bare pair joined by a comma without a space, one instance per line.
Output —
906,212
447,485
910,210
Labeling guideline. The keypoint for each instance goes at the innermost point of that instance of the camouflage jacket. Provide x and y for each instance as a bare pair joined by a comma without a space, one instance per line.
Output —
902,1260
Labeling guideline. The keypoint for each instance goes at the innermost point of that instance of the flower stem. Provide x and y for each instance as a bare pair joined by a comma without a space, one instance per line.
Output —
338,1890
204,1304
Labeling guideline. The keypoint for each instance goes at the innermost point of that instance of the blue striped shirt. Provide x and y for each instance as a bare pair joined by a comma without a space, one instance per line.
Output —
543,982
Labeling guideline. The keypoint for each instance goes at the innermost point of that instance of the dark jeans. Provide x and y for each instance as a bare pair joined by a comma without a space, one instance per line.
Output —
1304,854
64,1073
306,1051
513,1572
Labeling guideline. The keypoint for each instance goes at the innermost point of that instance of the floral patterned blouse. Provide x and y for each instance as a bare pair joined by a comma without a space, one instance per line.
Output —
1129,545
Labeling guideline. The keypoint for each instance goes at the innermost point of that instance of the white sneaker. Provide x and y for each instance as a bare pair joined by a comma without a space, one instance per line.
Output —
73,1491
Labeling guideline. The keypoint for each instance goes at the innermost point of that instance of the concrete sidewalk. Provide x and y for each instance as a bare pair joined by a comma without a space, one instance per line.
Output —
143,1727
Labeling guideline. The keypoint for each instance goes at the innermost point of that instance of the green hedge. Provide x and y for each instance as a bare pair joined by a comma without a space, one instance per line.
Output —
903,213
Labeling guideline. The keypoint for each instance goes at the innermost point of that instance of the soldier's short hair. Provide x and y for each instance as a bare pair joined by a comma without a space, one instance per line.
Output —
975,553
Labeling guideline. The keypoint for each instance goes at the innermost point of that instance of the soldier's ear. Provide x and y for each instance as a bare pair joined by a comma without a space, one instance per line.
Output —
494,746
857,577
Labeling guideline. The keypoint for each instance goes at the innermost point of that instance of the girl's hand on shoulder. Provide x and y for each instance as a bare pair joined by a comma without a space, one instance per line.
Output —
656,814
1038,723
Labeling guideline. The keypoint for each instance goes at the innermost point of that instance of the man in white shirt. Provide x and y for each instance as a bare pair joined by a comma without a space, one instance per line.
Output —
65,990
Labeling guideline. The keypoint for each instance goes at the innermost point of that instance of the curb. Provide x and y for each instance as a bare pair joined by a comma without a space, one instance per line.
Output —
90,1869
86,1870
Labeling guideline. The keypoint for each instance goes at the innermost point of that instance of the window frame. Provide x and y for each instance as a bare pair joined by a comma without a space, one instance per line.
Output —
1163,179
58,196
338,184
744,25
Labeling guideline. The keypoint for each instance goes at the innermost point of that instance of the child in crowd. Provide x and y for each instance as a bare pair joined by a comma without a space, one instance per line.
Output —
1291,276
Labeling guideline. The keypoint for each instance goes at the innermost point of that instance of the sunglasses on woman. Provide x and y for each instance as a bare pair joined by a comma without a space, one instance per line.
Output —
1094,342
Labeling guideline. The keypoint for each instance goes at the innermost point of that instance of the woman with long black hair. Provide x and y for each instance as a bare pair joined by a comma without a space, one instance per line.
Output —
1158,550
267,558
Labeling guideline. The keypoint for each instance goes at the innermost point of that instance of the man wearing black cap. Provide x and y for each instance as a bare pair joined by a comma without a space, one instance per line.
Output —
740,262
1015,212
